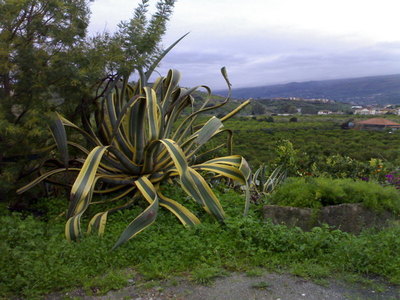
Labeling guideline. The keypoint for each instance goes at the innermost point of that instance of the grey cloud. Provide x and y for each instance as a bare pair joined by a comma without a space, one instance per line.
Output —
276,56
261,55
299,62
199,57
294,67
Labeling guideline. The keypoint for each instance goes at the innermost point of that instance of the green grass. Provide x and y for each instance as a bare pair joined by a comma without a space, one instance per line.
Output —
36,259
256,272
206,274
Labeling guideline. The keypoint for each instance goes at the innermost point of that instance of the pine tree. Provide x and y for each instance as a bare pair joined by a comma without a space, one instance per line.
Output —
48,63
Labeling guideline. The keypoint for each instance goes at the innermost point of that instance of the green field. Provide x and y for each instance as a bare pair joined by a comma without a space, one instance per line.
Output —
315,136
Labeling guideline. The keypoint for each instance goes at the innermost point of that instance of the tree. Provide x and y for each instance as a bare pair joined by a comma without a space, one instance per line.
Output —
258,108
269,119
289,109
47,63
140,37
37,39
46,56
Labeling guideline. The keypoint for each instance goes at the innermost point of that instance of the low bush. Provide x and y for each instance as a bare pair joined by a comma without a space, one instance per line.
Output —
317,192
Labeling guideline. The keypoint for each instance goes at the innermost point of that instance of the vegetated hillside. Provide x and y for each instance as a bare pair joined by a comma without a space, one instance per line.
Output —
268,106
200,97
305,107
363,90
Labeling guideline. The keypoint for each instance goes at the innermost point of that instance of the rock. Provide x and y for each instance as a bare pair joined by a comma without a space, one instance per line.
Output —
354,217
348,217
290,216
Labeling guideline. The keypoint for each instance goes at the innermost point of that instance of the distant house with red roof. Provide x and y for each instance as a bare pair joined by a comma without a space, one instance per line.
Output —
377,124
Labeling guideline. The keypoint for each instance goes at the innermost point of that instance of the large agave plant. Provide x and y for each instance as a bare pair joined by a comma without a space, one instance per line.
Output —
138,139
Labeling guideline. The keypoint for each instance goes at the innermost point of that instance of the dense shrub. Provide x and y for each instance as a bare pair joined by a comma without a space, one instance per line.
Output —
339,166
318,192
269,119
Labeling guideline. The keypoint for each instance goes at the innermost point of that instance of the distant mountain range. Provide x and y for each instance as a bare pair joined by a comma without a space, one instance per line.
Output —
364,90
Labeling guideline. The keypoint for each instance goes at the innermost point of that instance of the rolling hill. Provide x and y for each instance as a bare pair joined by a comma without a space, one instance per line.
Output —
364,90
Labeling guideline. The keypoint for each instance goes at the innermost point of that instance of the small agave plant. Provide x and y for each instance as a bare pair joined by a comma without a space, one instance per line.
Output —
264,185
138,139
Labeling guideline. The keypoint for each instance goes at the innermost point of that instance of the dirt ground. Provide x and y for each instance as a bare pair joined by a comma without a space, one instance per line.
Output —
238,286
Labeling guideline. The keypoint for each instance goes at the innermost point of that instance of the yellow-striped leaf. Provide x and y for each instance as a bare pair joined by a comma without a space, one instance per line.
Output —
184,215
60,136
73,225
147,217
227,171
98,222
43,177
153,118
85,181
235,111
192,182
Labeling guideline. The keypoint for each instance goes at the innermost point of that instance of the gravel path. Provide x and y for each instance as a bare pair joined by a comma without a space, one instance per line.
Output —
238,286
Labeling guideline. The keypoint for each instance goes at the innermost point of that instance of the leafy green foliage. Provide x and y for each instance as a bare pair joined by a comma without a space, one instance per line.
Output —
318,192
140,37
338,166
286,156
36,259
37,72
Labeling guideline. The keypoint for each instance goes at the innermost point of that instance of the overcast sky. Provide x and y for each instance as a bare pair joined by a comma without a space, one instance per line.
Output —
265,42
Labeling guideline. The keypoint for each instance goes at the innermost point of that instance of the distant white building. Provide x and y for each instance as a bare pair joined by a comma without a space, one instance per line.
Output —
365,111
324,112
382,111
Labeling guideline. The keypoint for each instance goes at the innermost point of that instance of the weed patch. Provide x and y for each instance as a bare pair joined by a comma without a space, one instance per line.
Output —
206,274
262,285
